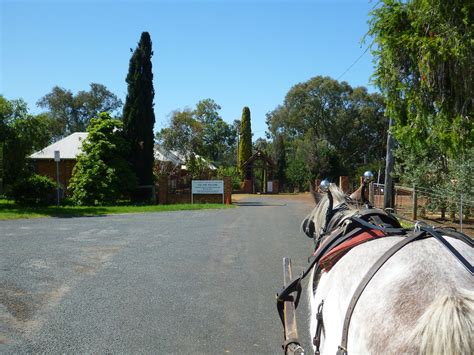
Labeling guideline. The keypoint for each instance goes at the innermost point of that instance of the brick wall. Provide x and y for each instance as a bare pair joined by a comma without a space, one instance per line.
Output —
247,187
47,167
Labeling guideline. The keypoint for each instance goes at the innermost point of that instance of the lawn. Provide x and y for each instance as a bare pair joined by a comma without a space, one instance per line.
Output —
9,210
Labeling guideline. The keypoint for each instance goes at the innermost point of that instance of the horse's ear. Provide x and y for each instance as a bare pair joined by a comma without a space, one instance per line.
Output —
316,196
357,194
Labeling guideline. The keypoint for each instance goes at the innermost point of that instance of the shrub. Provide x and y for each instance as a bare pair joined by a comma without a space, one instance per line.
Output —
102,175
34,190
233,173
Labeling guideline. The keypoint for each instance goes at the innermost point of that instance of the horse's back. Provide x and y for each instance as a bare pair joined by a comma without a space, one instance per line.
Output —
389,309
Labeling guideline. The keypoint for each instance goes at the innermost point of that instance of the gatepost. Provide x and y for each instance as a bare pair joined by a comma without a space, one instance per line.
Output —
227,190
344,183
163,190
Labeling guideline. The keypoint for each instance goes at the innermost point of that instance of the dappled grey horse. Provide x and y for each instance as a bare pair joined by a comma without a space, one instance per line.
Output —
376,288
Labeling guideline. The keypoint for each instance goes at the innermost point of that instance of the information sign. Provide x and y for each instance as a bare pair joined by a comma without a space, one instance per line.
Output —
207,187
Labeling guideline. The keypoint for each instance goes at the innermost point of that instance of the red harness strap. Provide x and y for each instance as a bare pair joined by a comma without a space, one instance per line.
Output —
333,256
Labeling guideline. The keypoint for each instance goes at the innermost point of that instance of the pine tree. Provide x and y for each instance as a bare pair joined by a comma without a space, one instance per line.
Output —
245,148
138,114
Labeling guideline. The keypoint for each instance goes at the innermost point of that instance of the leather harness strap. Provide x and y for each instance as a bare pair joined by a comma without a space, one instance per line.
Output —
334,239
364,282
319,328
439,237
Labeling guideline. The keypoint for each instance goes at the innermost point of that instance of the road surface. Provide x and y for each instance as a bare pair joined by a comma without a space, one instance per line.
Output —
176,282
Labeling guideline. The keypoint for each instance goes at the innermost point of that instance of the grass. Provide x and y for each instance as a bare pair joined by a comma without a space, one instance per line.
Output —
406,224
9,210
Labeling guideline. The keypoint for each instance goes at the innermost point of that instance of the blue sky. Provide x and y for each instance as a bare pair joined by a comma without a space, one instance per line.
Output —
239,53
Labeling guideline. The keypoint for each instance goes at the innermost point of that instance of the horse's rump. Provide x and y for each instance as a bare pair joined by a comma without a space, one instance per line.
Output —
389,312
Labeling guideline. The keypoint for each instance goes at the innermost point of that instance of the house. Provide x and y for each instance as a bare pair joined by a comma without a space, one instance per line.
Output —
177,159
69,148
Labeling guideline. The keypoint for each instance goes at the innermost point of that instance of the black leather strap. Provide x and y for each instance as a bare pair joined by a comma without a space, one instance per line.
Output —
438,236
364,282
335,239
319,328
368,225
455,234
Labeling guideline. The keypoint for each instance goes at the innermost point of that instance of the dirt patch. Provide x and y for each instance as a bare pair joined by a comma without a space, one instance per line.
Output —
305,197
84,269
21,305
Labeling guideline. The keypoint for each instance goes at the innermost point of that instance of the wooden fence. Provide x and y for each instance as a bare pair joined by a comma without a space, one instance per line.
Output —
415,203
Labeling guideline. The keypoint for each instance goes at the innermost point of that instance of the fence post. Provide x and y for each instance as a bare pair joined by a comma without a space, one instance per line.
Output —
415,205
460,213
163,190
371,193
344,183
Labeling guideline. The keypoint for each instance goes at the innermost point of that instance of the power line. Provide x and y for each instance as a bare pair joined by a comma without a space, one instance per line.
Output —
354,63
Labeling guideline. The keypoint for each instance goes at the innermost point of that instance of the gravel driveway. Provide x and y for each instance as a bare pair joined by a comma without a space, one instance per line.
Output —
177,282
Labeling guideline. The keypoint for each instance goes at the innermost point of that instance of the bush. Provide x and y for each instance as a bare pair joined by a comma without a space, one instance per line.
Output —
231,171
34,190
102,175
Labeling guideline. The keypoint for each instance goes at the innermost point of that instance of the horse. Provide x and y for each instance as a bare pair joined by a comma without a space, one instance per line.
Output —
420,301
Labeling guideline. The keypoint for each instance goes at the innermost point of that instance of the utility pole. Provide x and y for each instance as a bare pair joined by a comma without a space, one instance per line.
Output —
388,189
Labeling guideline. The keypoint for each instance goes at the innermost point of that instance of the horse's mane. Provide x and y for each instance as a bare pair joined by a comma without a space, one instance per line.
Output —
318,215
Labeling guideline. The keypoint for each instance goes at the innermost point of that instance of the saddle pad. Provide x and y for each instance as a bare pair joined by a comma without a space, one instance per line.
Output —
333,256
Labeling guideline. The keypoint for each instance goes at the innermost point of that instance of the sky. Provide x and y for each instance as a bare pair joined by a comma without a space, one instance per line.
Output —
236,52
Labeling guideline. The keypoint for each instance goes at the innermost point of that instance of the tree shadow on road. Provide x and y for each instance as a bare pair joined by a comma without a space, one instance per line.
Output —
258,204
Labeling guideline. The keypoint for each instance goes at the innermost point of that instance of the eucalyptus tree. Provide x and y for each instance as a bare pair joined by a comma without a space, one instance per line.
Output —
335,127
424,54
71,112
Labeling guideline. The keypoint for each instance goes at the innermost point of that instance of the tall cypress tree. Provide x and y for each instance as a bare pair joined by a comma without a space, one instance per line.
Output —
245,148
138,114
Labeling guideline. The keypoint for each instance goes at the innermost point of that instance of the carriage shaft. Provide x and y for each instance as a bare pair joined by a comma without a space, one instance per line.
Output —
289,314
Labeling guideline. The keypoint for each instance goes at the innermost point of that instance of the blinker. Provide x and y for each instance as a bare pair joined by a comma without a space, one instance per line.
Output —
368,176
324,185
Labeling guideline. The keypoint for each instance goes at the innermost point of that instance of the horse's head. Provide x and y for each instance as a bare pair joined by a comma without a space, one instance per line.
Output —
332,206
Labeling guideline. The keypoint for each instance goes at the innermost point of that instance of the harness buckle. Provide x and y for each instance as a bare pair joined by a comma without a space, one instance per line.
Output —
341,351
418,225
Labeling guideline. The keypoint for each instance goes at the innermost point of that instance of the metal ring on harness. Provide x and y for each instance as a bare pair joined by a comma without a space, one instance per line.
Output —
319,328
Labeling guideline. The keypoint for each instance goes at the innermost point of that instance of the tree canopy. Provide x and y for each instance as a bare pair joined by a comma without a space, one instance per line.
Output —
329,129
138,113
424,52
200,131
217,135
71,113
21,134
